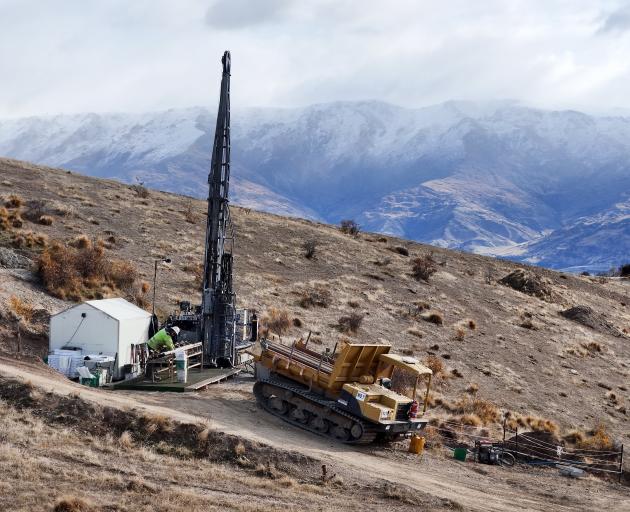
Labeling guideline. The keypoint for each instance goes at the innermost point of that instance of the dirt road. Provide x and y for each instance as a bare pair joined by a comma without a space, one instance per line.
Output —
229,407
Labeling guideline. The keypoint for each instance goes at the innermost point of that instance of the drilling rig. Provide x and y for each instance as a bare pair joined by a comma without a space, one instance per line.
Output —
216,323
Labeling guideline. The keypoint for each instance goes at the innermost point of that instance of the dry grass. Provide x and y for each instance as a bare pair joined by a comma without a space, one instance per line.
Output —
415,332
22,309
423,267
140,190
460,334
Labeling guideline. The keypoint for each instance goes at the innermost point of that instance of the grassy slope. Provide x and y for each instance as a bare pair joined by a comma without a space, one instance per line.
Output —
542,371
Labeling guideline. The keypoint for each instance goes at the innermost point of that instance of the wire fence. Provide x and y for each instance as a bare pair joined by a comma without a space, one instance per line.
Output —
529,448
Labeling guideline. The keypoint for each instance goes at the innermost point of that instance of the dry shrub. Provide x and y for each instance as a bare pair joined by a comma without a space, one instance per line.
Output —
189,213
414,332
485,410
472,388
297,322
472,325
349,227
471,419
10,219
316,297
350,323
435,364
87,272
29,240
403,251
196,269
434,317
239,449
126,440
592,347
423,267
5,224
353,303
310,246
575,437
140,190
276,320
81,242
45,220
598,439
534,423
72,504
460,334
14,201
21,308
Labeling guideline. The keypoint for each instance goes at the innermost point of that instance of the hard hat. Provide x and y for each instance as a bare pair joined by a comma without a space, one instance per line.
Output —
175,330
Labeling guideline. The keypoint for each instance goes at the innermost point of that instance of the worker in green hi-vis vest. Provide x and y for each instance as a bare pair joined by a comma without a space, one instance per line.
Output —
163,339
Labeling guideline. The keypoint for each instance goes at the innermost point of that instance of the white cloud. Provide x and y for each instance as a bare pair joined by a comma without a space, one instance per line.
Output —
157,54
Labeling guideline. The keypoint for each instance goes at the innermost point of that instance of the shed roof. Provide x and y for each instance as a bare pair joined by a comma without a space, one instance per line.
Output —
119,309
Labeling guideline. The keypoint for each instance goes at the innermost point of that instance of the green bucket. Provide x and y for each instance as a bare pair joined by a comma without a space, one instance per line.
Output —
460,454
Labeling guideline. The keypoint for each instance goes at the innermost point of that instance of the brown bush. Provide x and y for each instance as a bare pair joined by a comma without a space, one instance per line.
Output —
316,297
434,317
81,242
297,322
350,323
435,364
140,190
310,246
472,388
14,201
349,227
22,309
72,504
29,240
45,220
472,325
485,410
423,267
460,334
353,303
276,320
399,249
5,224
598,439
471,419
415,332
87,271
189,213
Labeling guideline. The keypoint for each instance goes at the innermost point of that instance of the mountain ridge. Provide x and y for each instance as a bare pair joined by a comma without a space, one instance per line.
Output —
482,177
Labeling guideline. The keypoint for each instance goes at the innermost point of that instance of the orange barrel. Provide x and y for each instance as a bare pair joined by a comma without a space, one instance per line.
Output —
416,445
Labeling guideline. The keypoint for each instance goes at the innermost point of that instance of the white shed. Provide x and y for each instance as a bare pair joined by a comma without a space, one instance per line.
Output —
112,327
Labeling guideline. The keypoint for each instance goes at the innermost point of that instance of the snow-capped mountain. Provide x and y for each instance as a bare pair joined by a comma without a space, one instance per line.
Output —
496,178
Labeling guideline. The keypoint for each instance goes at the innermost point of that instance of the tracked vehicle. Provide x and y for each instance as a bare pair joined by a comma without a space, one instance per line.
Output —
355,396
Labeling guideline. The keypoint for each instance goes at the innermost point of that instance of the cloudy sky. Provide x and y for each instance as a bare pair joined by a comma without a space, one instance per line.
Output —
136,55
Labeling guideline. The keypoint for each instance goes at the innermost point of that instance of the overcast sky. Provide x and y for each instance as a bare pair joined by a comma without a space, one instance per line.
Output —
136,55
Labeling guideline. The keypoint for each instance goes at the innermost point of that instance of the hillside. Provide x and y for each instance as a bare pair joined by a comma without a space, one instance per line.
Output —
493,178
509,348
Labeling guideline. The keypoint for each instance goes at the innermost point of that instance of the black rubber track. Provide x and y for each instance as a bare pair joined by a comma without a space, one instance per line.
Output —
369,432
